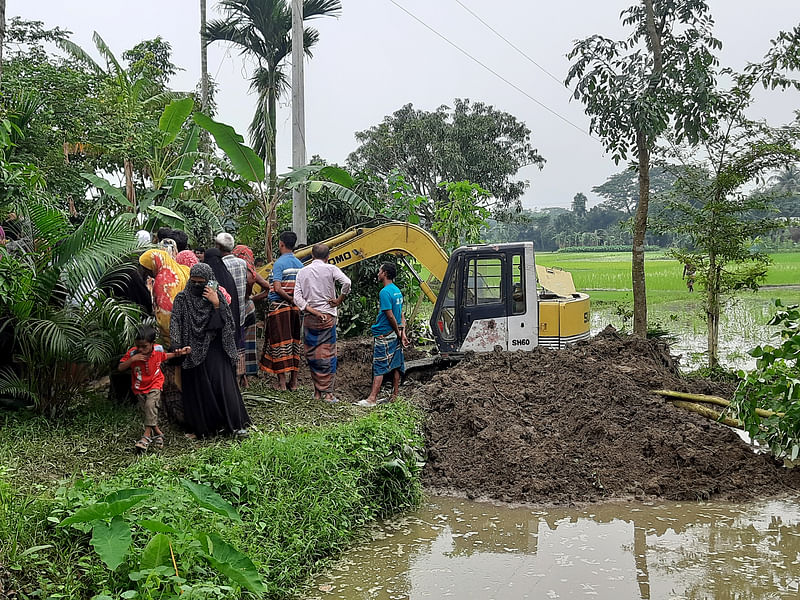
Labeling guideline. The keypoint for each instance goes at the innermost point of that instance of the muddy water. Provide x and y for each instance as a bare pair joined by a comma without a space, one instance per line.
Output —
742,327
456,548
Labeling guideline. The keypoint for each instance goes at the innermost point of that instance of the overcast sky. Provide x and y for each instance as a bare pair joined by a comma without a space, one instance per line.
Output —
376,58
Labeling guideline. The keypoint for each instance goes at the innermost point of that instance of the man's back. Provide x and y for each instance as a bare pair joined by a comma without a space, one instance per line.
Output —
317,285
238,270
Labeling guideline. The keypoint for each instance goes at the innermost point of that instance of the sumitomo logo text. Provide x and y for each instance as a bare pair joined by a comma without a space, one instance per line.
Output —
335,260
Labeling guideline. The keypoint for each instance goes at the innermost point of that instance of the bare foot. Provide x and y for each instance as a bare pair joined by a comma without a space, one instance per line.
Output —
190,436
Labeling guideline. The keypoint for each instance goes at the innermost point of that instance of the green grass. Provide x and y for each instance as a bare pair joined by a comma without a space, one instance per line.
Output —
607,276
303,491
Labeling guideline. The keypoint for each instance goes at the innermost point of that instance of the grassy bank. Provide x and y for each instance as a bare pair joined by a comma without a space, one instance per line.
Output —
290,499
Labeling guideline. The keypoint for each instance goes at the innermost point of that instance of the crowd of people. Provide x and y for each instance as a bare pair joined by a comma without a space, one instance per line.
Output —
192,366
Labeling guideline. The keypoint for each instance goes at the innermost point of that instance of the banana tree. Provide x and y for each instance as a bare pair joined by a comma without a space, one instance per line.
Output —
248,165
169,166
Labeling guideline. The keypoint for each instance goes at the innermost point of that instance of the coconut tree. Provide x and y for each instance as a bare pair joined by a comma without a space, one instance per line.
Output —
262,30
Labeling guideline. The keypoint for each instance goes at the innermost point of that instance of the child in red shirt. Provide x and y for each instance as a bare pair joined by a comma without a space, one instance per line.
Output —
144,360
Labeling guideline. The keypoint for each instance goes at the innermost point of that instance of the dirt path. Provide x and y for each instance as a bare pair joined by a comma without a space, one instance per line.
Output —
581,425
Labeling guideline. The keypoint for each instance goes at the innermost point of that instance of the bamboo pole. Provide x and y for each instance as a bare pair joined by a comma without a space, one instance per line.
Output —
709,413
712,400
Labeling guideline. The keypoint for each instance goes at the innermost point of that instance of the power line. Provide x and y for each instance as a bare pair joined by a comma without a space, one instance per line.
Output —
510,43
492,71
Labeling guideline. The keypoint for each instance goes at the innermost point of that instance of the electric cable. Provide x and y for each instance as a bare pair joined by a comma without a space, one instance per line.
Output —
492,71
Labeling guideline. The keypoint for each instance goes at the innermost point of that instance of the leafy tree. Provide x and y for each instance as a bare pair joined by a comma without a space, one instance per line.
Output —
151,60
262,29
462,218
471,141
713,205
621,190
579,204
636,89
131,99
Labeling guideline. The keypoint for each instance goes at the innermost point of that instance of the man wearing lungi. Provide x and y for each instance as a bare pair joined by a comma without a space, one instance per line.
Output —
315,294
389,337
281,354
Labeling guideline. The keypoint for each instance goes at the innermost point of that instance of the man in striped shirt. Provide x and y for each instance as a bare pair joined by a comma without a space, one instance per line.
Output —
281,354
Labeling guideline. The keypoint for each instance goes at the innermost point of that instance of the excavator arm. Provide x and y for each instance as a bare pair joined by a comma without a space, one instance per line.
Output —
403,239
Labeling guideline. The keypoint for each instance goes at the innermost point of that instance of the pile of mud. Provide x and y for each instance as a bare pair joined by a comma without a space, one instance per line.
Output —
354,368
581,424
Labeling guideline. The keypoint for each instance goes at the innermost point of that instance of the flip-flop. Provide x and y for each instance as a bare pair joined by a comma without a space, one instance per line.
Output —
366,403
333,400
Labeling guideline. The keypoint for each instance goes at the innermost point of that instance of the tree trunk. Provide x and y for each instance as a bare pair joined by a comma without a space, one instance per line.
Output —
203,72
713,310
203,59
130,191
639,230
272,94
2,36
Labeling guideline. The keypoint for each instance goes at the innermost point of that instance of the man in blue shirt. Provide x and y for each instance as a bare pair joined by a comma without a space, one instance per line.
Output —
389,336
282,344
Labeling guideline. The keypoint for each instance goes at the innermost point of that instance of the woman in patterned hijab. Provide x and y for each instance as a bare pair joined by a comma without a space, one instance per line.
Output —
211,398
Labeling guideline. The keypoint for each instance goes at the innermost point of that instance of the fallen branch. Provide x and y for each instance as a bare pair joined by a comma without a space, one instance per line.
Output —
709,413
712,400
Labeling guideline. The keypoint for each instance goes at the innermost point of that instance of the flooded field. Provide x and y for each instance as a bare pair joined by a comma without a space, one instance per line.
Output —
743,326
456,548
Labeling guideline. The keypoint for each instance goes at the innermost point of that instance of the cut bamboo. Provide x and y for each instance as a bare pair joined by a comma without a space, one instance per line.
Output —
709,413
712,400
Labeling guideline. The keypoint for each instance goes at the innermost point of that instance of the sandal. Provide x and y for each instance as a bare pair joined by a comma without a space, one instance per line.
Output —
366,403
143,444
158,441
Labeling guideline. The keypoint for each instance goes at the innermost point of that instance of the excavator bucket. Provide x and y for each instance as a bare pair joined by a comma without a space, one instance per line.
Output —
555,280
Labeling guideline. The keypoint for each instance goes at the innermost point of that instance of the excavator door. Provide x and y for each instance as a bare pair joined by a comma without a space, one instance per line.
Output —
488,300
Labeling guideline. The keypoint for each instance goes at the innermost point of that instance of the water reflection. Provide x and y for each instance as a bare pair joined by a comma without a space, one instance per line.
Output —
455,548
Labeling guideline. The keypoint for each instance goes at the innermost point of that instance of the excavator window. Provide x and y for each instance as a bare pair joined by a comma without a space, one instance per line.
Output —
447,316
484,283
518,284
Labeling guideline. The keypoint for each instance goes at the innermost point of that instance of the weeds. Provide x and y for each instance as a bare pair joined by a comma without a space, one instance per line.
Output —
301,495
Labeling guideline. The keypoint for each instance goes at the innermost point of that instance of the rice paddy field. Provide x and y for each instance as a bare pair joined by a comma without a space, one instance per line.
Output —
606,277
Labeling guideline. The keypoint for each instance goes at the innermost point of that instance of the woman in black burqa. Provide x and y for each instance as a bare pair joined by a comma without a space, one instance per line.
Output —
202,319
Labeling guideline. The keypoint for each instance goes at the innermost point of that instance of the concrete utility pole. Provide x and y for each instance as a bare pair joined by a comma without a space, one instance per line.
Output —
298,121
203,59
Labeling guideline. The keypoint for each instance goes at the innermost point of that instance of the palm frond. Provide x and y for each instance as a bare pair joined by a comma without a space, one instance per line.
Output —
14,386
95,245
111,60
81,56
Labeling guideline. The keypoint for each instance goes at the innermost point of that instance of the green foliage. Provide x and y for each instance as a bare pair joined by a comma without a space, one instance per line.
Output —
322,486
462,217
774,385
471,141
246,163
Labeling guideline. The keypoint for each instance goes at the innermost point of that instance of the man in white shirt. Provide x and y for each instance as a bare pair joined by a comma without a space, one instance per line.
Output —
315,294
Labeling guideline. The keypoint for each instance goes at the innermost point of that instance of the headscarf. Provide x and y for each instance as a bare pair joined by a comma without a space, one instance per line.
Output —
187,258
243,252
143,237
213,258
189,324
169,279
169,246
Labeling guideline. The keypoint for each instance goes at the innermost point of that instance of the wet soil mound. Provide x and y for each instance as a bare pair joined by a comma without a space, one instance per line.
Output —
581,425
354,368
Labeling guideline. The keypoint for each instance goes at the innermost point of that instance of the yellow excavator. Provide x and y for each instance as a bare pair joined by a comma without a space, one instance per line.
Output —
491,295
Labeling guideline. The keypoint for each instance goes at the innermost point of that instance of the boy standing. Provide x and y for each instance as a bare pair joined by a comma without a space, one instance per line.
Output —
144,360
389,333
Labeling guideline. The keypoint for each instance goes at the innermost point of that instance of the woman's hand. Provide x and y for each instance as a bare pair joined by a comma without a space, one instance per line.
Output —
212,296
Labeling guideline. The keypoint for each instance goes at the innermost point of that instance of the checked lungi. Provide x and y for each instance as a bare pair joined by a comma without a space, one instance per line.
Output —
250,346
320,346
282,344
387,354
